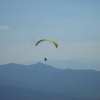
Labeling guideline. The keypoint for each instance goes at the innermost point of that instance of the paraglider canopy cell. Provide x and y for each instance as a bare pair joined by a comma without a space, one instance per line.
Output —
47,39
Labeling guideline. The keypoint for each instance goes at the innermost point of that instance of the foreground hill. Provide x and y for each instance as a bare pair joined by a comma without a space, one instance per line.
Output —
15,93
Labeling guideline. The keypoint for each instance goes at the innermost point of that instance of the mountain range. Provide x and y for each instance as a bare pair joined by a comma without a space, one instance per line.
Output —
61,84
71,63
74,64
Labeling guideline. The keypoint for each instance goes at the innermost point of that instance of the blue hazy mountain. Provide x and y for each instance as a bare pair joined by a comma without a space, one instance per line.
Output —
74,64
39,76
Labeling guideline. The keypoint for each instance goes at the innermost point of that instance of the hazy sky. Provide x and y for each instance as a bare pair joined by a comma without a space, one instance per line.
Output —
74,24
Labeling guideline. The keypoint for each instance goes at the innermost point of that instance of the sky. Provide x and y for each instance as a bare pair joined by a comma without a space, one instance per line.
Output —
73,24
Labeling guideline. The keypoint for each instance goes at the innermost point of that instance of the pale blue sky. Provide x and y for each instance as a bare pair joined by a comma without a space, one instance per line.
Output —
72,23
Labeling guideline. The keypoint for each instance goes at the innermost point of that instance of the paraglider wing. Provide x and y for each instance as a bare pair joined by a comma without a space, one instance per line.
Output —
47,39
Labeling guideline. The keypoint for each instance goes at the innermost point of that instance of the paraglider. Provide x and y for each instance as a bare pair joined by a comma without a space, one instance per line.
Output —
47,39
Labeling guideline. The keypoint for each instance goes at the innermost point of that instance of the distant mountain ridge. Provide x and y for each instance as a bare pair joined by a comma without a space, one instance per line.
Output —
72,64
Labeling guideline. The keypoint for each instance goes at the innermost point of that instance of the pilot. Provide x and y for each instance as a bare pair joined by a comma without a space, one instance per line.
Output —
45,59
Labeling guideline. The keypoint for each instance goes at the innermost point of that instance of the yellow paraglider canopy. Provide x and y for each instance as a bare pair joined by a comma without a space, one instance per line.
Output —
47,39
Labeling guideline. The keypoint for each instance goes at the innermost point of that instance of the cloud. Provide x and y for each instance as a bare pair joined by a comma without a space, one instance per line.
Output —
60,42
4,27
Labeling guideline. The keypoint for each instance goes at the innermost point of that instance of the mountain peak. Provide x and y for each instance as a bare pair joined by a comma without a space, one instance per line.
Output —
39,63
